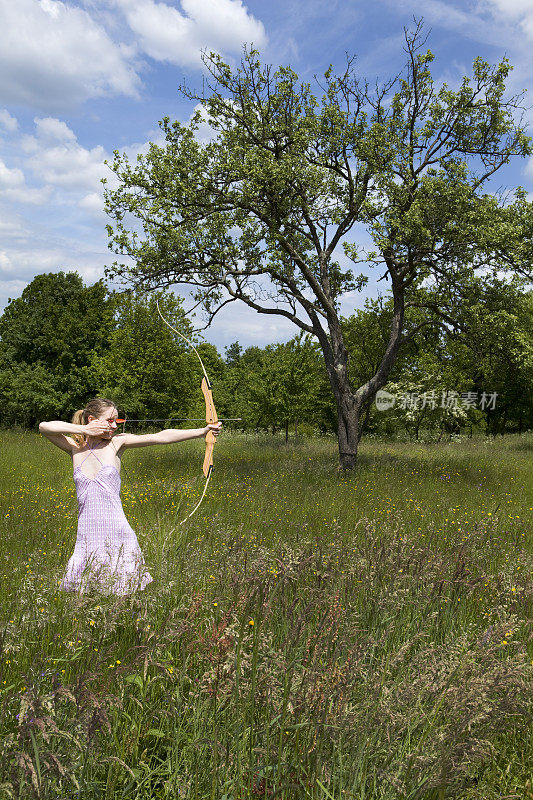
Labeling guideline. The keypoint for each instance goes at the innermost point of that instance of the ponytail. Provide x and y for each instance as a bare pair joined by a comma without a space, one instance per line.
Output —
77,419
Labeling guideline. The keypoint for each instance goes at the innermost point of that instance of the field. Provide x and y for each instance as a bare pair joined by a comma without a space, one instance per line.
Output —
308,633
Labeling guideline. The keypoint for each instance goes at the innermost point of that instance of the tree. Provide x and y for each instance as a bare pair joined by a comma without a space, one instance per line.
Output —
260,212
48,337
488,352
30,393
233,354
510,242
147,370
287,385
497,353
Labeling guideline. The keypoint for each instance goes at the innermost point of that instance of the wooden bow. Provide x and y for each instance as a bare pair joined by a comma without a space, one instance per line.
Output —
210,417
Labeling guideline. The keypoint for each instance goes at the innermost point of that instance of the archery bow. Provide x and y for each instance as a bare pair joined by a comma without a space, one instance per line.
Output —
210,416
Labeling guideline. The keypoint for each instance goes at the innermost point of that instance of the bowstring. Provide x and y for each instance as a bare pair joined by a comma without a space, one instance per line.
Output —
211,403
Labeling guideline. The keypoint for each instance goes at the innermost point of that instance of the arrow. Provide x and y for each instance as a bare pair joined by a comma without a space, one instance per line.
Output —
178,419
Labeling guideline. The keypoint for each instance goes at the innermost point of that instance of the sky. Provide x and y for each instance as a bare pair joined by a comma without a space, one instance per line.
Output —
80,79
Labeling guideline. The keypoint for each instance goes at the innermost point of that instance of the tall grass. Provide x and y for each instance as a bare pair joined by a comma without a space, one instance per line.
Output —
308,633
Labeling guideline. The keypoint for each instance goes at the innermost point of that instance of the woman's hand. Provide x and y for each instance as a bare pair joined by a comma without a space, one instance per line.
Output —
96,427
214,428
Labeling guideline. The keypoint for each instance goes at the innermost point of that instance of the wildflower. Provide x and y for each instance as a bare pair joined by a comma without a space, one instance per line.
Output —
251,623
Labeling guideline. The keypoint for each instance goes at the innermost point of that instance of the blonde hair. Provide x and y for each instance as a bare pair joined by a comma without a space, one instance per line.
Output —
94,408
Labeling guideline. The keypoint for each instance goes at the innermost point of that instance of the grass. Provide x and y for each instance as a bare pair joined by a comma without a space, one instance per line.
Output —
308,633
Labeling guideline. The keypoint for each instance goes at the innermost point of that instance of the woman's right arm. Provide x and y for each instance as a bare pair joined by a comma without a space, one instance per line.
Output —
56,432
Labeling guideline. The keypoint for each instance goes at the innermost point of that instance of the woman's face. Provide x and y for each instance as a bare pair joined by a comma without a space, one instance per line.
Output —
109,417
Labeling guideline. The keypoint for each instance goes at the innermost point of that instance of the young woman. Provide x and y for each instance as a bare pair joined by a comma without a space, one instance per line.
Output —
107,556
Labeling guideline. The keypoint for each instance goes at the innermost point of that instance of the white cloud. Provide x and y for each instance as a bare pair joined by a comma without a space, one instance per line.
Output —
10,229
93,203
224,24
25,262
56,157
54,56
467,23
5,262
68,232
165,34
34,245
53,130
13,187
8,122
10,289
520,11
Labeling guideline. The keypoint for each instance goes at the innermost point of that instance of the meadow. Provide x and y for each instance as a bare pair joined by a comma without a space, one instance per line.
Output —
308,633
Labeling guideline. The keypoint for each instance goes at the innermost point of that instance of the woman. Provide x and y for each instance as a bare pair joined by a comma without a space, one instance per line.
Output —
107,555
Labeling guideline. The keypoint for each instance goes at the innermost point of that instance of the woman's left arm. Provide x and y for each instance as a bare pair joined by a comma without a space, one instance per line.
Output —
127,440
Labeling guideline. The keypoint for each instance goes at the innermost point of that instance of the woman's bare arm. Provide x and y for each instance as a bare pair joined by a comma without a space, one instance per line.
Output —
127,440
57,432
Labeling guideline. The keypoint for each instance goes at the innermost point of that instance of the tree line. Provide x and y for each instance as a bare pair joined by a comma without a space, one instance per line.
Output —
63,342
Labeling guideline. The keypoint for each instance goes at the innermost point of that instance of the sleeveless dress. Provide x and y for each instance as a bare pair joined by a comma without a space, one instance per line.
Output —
107,557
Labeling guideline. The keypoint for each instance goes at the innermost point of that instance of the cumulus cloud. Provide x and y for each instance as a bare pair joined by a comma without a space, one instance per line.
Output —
93,204
516,11
7,122
24,263
57,158
166,34
50,166
34,243
54,55
13,187
224,24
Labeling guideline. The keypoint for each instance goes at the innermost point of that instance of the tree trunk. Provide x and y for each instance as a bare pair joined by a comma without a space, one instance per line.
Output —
350,403
336,359
286,432
348,415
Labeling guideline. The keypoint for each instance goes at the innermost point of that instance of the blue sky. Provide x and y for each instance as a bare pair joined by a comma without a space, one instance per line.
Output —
80,79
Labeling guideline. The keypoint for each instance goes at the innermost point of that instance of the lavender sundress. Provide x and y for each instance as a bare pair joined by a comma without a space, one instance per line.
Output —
106,556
